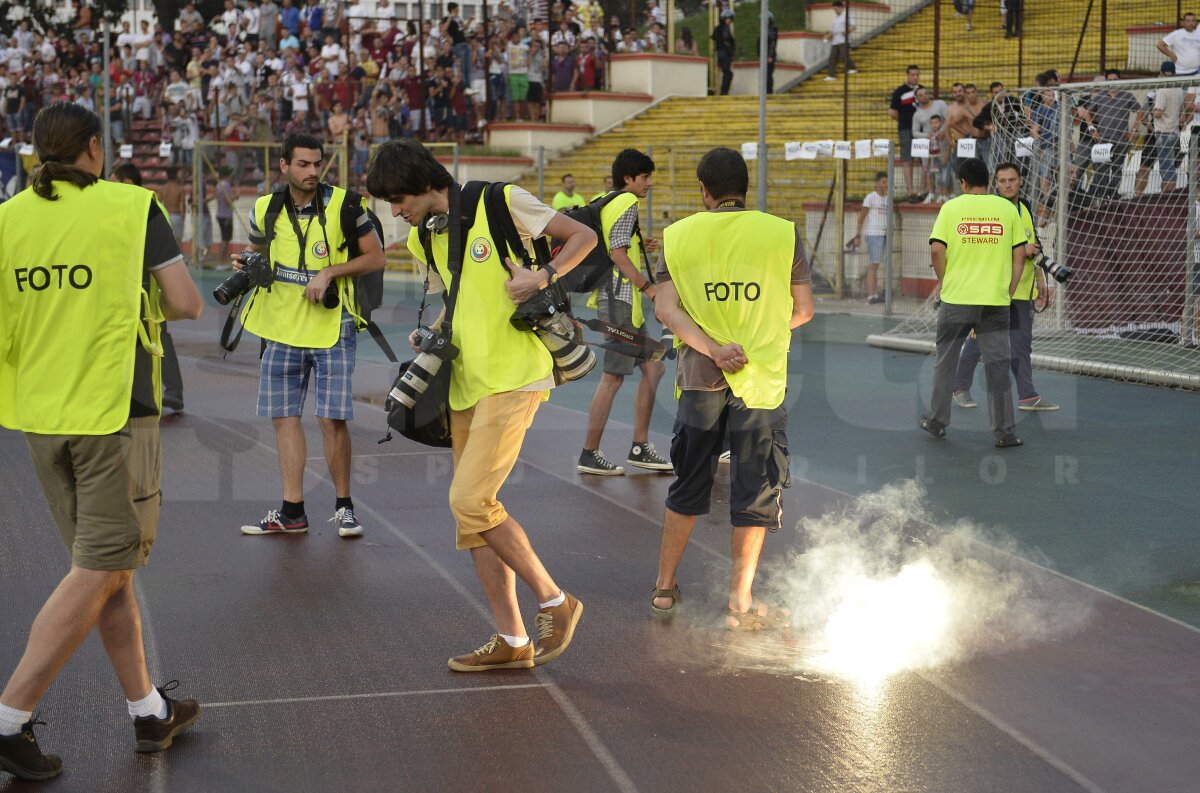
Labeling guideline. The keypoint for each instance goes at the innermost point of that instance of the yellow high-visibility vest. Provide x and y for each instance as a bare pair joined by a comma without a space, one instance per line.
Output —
733,272
72,307
494,357
608,217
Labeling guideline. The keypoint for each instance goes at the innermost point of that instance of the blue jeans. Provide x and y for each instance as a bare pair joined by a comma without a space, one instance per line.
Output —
1167,147
1020,339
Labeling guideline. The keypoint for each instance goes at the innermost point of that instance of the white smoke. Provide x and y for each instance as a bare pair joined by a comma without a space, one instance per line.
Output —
879,590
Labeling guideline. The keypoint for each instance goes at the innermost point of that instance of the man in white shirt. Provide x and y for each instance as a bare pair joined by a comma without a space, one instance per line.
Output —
1183,47
125,36
141,42
840,51
872,229
332,56
230,19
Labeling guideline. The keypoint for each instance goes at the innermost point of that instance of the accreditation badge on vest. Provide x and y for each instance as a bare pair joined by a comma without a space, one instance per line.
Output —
320,250
481,250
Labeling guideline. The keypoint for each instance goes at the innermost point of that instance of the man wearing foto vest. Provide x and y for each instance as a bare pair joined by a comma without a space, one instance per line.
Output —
91,417
619,301
977,248
733,285
498,377
308,320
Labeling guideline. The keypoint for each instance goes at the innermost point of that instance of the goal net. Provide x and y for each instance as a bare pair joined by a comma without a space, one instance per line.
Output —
1116,206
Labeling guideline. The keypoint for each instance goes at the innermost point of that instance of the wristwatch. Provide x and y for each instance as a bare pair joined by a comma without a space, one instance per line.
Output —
553,274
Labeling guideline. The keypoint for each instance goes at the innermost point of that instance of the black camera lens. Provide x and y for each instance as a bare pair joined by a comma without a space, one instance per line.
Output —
330,298
231,287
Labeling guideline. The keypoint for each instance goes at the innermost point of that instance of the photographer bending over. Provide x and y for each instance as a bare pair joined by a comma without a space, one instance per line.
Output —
733,285
306,313
497,380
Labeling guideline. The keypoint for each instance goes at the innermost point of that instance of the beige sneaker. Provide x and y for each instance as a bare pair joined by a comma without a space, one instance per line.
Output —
496,654
556,628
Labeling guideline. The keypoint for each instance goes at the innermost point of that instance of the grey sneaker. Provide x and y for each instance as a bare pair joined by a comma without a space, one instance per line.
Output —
592,461
1036,403
643,455
348,524
963,399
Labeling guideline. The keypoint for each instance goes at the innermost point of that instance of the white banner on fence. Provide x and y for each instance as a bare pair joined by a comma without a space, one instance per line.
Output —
792,151
749,151
808,151
862,149
825,148
164,150
4,143
966,147
841,150
26,150
126,151
1102,153
1024,147
880,147
920,148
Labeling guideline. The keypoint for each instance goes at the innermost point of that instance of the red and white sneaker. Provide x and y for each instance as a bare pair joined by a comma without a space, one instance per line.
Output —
275,523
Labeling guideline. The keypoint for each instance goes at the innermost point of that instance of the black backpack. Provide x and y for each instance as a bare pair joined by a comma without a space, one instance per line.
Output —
590,272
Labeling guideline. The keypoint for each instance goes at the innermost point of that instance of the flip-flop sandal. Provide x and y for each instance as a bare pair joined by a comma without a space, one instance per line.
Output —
776,618
676,598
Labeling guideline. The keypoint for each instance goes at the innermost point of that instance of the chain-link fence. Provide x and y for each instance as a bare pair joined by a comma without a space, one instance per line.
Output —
1109,170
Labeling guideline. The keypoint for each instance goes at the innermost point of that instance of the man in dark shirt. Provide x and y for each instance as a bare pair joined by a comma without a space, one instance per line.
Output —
904,105
724,46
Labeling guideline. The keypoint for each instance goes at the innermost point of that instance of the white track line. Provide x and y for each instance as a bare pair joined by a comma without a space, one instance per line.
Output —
429,692
606,758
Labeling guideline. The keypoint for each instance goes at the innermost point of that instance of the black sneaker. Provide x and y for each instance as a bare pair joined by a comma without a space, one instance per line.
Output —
643,455
154,734
1008,442
592,461
933,427
21,756
276,523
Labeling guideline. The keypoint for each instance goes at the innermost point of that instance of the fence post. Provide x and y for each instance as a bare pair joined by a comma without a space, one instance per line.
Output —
455,155
344,165
889,239
839,222
1065,130
937,46
541,172
649,205
1189,299
197,232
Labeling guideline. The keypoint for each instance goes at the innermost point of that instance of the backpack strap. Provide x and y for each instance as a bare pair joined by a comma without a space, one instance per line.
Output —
274,208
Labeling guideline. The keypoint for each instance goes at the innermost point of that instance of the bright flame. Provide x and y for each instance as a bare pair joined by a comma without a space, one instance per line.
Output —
883,625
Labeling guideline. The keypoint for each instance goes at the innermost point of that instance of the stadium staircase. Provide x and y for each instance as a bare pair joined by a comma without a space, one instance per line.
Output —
813,109
146,137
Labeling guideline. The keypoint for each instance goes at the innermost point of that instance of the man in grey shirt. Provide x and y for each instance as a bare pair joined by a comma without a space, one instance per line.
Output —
268,22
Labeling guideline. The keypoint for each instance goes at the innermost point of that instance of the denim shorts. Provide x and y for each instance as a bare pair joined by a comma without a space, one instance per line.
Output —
285,370
875,248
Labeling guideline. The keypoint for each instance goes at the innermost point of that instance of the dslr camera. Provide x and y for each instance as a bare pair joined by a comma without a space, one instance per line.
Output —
435,350
256,271
548,315
1059,272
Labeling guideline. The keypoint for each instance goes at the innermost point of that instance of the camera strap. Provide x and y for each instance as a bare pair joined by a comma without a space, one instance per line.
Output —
454,256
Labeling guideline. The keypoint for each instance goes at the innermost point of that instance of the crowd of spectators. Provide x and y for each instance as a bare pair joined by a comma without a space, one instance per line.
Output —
349,71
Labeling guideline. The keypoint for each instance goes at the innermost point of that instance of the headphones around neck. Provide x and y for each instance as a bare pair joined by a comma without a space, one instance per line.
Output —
437,223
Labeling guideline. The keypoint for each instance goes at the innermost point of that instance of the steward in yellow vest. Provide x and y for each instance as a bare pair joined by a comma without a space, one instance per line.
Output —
305,244
619,300
733,284
82,262
497,382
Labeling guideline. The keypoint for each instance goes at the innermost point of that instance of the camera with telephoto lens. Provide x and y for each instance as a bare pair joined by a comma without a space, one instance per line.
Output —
256,271
1059,272
547,315
435,350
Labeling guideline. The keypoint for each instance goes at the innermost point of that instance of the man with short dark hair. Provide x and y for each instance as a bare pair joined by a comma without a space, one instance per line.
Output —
734,283
977,251
903,106
567,197
1182,46
839,38
308,319
619,301
725,48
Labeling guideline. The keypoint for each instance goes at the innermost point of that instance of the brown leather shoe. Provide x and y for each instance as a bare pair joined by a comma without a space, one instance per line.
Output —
556,628
496,654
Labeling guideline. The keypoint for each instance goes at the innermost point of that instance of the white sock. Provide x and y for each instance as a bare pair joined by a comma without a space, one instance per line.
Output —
12,720
552,602
515,642
151,705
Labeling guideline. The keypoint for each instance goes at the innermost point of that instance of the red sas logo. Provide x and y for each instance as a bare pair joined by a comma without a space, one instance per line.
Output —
976,229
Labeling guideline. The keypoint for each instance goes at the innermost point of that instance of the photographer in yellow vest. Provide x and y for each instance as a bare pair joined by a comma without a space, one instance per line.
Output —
619,301
80,305
498,378
306,317
733,285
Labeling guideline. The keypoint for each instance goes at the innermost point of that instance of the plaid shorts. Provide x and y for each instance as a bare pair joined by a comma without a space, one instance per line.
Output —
283,377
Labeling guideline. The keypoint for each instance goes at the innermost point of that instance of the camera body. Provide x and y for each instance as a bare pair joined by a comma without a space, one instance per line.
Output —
1059,272
548,315
256,272
435,342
